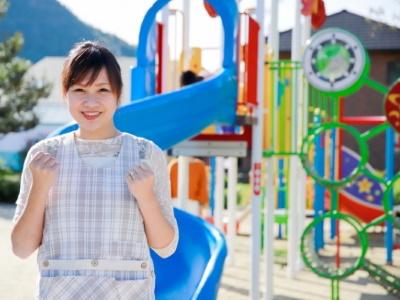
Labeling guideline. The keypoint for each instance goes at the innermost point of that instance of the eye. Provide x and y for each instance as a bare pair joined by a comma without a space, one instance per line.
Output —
104,90
78,90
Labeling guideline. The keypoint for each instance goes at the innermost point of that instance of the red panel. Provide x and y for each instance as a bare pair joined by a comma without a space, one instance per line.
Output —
306,8
244,137
160,28
358,209
318,18
368,120
251,56
392,106
210,10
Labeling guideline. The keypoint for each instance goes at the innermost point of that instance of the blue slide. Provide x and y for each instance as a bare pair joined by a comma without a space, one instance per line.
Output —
195,270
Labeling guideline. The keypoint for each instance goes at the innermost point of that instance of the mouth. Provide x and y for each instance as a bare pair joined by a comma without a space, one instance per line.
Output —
91,115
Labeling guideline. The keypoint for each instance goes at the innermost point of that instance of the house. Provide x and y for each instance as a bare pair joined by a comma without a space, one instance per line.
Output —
382,42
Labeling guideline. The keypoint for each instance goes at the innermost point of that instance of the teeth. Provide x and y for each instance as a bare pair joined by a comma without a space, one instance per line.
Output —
91,113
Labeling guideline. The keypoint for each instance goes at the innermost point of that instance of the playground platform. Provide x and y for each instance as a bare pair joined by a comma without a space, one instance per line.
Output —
17,279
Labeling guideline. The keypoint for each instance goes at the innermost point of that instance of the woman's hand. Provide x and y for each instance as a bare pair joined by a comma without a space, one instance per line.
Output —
44,169
140,180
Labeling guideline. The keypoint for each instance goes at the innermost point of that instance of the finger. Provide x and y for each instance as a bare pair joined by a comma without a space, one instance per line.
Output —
137,174
128,177
146,164
52,164
132,175
145,173
37,155
46,159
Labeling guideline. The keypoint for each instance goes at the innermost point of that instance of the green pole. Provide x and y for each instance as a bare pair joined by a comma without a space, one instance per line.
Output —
335,289
375,85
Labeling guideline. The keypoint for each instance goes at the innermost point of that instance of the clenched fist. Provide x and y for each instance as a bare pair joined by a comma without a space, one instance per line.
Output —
140,180
44,169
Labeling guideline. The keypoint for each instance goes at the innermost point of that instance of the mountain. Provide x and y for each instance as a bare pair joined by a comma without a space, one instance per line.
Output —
50,29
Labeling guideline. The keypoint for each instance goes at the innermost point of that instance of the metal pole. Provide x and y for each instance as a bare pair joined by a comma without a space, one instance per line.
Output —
232,182
185,33
183,181
273,37
219,193
256,155
293,230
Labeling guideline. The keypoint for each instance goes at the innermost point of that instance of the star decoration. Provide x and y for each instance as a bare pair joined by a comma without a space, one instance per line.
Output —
364,185
370,198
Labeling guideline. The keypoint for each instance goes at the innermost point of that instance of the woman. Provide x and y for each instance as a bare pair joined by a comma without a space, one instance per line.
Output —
94,200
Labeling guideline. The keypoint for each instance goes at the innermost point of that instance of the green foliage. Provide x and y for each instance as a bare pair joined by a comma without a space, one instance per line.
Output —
3,7
243,194
9,185
18,94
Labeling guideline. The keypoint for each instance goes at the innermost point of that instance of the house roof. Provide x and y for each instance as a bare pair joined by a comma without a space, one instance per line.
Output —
373,35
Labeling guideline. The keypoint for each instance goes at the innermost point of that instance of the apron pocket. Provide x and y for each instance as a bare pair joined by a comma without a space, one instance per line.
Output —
94,288
76,288
141,289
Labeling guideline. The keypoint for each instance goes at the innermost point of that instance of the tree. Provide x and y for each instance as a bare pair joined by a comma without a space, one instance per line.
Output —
18,94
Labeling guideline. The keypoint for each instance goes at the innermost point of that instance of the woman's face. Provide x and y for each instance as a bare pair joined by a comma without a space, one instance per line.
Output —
93,106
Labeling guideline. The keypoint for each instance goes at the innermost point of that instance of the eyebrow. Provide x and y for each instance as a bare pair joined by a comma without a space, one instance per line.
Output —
97,84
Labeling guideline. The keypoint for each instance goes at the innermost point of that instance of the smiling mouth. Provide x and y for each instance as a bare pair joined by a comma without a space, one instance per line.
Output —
91,115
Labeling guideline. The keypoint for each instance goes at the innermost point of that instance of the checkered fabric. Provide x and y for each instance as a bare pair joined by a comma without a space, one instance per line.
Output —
90,214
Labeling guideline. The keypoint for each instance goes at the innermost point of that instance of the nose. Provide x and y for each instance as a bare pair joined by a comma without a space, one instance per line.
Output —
90,101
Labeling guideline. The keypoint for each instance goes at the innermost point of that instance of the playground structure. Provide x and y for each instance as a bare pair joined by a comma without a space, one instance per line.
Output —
295,110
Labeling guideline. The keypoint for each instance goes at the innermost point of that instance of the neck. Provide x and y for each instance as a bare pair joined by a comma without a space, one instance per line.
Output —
105,134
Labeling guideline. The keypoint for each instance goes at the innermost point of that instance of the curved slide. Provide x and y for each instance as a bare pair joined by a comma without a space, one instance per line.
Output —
195,270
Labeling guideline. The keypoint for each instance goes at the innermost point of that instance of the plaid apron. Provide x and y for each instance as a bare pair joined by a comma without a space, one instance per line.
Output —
91,215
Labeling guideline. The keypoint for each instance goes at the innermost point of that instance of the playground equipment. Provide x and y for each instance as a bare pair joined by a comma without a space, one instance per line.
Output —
337,65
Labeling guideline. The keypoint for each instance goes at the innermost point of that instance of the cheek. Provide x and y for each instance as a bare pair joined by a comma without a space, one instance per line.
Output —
112,105
73,107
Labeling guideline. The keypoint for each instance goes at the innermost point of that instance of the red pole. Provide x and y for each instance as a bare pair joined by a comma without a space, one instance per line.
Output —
340,174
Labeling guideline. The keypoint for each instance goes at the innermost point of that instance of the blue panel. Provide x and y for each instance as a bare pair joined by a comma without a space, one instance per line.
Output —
11,160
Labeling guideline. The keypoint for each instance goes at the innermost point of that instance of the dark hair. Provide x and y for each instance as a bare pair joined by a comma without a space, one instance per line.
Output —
89,58
189,77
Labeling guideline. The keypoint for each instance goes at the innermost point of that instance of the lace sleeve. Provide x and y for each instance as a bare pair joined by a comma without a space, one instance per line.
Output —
25,184
48,145
163,193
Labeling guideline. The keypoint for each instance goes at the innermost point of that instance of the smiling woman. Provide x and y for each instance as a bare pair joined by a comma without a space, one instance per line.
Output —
95,200
92,85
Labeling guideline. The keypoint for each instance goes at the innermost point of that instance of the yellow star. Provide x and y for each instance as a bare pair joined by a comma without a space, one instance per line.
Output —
364,185
370,198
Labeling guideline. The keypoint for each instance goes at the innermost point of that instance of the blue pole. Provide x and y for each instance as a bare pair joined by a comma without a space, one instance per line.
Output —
319,189
389,163
281,192
212,184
